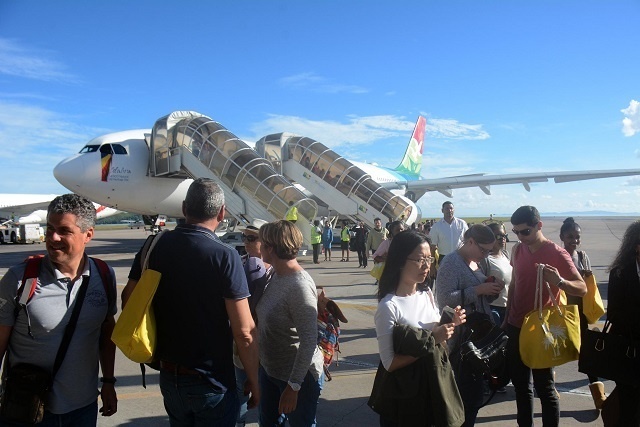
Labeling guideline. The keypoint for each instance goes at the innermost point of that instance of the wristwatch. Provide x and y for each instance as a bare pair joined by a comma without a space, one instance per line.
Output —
294,386
108,380
560,283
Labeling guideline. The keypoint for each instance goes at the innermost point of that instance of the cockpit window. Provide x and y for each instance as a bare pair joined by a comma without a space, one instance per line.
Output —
89,148
104,148
118,149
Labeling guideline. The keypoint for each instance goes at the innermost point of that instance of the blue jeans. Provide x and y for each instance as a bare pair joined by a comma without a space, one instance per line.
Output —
521,379
241,378
83,417
191,400
305,414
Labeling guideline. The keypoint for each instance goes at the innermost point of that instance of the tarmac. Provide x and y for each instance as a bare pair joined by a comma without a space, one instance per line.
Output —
343,401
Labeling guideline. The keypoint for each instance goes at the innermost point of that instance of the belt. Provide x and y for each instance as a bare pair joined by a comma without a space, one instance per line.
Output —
177,369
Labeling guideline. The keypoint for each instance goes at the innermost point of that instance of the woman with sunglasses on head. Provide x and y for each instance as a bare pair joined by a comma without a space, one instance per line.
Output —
258,275
460,281
291,364
402,301
498,265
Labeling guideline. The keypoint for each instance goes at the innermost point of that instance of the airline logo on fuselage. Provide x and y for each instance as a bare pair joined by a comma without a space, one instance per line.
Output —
112,172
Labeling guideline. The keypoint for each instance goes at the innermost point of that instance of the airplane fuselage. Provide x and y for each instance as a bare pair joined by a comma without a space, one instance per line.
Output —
123,183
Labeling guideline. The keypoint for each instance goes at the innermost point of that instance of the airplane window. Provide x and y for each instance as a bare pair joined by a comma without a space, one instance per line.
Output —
89,149
119,149
106,148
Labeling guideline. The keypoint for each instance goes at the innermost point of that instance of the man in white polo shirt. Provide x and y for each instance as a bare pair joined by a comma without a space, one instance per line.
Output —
447,233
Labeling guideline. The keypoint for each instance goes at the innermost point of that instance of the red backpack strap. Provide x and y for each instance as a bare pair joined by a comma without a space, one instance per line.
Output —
107,279
31,271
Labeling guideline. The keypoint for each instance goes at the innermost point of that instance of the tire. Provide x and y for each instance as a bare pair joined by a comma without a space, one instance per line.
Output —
14,238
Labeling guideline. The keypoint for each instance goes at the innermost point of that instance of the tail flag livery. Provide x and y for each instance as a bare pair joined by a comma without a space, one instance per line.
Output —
412,161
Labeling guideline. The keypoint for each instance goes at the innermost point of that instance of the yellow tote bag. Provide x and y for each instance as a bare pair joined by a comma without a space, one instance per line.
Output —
550,336
592,305
135,331
377,269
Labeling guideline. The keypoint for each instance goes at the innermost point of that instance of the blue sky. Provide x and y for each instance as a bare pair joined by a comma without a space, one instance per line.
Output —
506,87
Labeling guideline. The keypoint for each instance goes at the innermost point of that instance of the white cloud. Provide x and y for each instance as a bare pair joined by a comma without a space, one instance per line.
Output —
453,129
19,61
32,141
631,122
365,130
316,83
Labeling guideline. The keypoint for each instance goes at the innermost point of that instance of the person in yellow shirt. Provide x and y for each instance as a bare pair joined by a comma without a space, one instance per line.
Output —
292,213
345,237
316,239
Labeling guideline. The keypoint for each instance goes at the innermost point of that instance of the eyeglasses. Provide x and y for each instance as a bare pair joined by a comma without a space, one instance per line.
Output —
524,232
500,236
485,252
423,262
249,239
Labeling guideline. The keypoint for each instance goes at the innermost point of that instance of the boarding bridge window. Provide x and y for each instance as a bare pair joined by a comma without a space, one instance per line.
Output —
89,149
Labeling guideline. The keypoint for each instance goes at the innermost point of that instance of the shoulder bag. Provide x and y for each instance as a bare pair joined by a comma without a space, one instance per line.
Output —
483,350
550,336
135,330
592,305
609,355
25,387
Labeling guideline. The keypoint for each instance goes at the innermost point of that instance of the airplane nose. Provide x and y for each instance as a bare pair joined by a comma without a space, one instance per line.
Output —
68,172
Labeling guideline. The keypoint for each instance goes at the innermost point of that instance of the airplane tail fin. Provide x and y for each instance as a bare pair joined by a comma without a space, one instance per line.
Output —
412,160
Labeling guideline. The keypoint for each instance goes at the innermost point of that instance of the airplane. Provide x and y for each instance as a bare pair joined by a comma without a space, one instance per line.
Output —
126,171
33,208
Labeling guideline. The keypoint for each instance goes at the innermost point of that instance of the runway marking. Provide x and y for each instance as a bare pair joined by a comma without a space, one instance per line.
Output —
357,363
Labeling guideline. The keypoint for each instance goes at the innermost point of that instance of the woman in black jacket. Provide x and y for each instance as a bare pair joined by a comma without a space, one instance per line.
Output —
623,303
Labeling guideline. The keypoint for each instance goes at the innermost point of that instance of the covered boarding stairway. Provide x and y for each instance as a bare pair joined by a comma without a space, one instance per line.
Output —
336,181
189,144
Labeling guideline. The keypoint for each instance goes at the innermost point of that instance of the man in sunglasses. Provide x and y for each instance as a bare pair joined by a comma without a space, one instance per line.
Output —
561,274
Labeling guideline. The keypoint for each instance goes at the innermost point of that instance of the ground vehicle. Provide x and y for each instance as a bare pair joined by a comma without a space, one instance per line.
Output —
25,233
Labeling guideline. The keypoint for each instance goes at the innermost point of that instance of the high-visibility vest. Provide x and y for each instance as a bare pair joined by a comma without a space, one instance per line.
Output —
292,214
316,235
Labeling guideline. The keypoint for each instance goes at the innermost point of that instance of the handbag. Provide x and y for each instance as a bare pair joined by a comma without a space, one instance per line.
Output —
609,355
376,271
550,336
487,357
592,305
25,387
135,331
483,349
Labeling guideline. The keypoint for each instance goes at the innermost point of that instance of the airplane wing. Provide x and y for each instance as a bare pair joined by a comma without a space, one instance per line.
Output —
22,204
484,182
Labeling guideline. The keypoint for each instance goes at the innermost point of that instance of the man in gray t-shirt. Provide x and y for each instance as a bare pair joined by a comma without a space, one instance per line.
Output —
36,338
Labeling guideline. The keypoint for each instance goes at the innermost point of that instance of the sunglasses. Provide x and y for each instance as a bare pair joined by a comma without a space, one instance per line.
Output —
524,232
249,239
500,236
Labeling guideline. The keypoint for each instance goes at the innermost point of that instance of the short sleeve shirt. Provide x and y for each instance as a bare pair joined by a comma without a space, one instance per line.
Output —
448,237
199,273
526,274
50,308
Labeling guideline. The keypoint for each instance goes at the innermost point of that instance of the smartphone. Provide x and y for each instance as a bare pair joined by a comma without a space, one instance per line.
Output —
447,315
